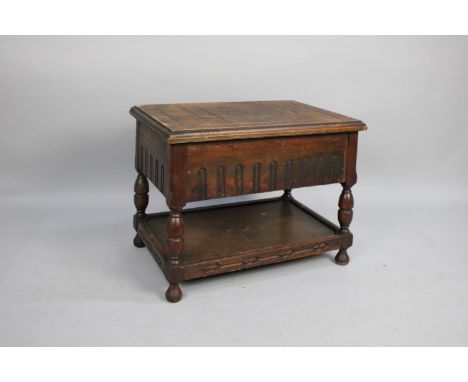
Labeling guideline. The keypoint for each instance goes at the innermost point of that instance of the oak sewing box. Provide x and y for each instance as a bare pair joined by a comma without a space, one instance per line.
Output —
200,151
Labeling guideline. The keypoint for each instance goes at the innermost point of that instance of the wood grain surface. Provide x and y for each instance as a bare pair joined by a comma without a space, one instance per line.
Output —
194,152
239,167
242,235
201,122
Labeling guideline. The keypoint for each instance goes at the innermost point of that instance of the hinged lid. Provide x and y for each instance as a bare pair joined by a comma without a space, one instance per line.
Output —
219,121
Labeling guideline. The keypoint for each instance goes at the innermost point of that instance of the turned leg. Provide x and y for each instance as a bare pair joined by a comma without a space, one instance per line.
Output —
345,216
175,244
141,202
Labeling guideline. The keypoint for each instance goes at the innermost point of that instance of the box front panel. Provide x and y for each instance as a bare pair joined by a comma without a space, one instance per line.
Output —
230,168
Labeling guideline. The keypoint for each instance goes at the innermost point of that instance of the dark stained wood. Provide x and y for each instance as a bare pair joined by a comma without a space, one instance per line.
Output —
152,158
346,201
233,237
141,202
173,293
345,212
193,152
351,176
202,122
175,229
230,168
177,176
345,216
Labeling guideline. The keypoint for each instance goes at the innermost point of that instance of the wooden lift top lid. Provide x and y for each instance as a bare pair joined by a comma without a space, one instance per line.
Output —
219,121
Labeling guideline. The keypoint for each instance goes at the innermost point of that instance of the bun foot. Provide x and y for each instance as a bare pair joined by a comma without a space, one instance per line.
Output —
173,293
137,242
342,257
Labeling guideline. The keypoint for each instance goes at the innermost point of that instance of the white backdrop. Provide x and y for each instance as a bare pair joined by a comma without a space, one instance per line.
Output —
70,275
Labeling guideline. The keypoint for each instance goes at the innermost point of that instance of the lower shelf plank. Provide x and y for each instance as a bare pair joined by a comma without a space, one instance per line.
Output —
233,237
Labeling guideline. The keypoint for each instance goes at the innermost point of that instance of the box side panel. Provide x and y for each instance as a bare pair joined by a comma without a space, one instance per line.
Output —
152,157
